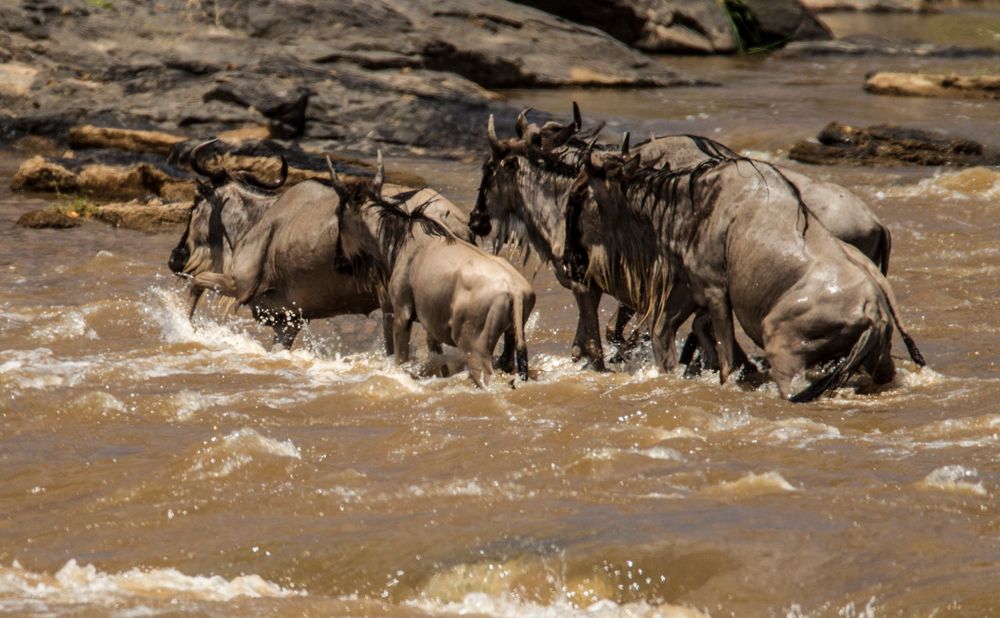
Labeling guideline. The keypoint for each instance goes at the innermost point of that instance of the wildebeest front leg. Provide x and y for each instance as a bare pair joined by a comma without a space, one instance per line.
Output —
194,295
286,331
721,313
677,307
588,330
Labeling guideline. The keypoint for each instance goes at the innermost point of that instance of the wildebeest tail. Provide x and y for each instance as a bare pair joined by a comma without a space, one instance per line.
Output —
890,301
844,368
520,316
884,249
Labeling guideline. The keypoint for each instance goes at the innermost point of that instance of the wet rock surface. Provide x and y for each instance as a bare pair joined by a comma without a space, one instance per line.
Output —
839,144
688,26
933,85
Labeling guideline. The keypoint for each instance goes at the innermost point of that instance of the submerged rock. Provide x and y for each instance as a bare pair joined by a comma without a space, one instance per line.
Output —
840,144
47,218
930,85
145,216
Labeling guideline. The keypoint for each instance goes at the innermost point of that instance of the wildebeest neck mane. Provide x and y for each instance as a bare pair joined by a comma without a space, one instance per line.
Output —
395,223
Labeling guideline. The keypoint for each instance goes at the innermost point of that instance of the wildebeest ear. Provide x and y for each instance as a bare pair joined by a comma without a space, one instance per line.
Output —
562,136
338,185
631,166
625,144
379,174
577,119
521,125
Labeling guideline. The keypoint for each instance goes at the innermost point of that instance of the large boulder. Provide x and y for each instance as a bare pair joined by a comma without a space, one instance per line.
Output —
346,75
693,26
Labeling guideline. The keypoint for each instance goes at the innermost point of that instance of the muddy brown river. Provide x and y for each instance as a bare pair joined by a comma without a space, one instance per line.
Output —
153,466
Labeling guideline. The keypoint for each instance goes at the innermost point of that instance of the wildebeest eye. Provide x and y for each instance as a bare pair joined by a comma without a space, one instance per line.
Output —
510,163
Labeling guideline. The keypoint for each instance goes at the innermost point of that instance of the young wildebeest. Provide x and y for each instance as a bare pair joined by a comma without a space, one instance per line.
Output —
526,181
461,295
734,236
282,255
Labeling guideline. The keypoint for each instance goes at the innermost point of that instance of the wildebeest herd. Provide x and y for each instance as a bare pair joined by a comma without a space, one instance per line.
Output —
672,227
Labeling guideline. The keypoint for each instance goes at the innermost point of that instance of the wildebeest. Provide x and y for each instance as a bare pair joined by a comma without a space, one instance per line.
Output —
526,181
461,295
733,236
282,255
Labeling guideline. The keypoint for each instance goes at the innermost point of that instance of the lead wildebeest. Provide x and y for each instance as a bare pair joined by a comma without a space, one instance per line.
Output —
282,254
526,181
733,236
461,295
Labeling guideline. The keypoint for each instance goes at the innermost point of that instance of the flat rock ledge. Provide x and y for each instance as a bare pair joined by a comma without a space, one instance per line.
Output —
931,85
874,45
887,145
870,6
141,180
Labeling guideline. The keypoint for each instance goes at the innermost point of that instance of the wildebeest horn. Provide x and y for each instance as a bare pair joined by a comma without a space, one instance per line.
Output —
195,165
588,162
379,174
491,133
522,122
577,119
282,177
338,185
625,144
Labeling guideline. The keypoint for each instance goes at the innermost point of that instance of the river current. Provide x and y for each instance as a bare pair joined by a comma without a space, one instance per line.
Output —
153,465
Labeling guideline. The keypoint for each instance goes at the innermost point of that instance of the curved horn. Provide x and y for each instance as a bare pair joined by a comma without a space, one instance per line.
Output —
577,119
588,163
379,174
338,185
282,177
522,122
625,144
491,133
195,165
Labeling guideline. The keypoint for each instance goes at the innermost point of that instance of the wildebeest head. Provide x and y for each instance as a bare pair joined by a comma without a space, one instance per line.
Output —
518,167
375,226
225,205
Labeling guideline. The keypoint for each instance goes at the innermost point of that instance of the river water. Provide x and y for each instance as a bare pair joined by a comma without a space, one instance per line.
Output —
155,466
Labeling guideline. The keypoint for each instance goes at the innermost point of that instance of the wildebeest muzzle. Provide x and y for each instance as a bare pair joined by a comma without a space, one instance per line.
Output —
178,259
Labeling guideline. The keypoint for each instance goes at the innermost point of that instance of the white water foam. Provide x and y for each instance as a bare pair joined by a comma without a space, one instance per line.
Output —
752,484
22,590
237,449
509,606
956,479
